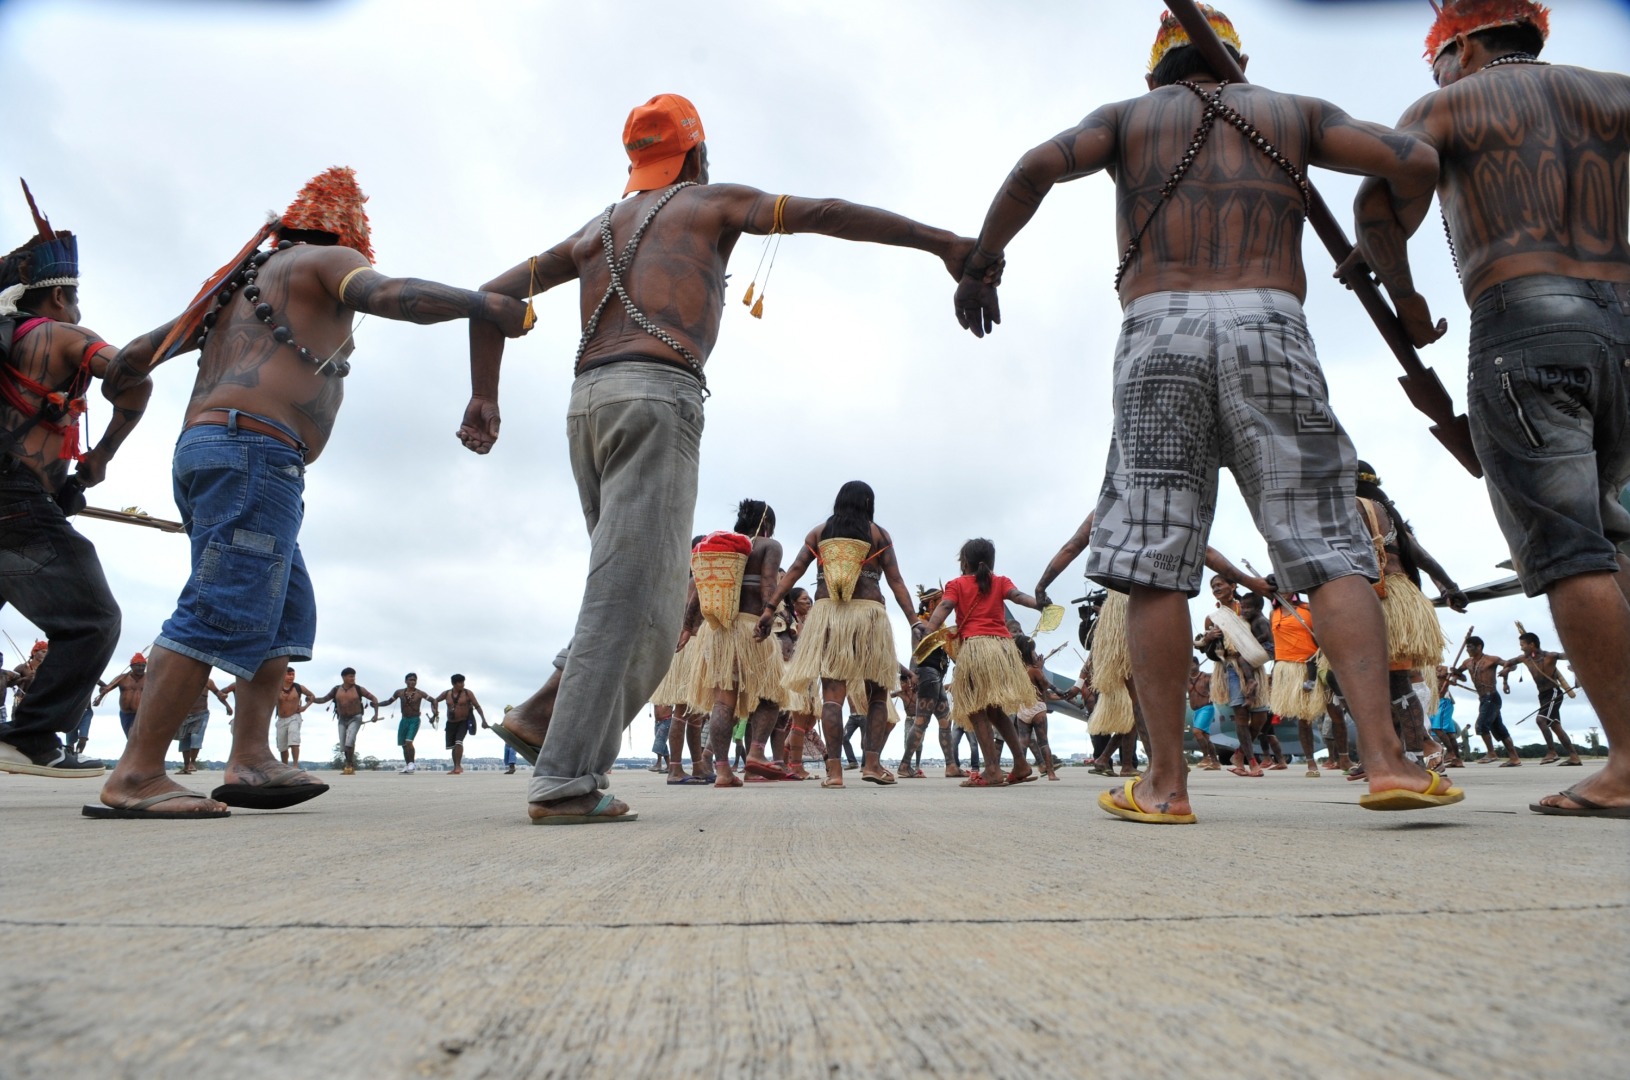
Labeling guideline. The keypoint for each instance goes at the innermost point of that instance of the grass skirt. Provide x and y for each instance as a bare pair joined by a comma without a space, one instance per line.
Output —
1114,715
1414,638
805,701
1111,652
848,641
732,660
988,674
675,687
1286,694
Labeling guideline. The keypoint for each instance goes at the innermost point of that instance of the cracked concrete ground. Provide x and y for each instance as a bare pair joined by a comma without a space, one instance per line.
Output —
418,926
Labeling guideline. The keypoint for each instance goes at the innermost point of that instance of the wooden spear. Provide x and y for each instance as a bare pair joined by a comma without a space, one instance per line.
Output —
1421,384
128,518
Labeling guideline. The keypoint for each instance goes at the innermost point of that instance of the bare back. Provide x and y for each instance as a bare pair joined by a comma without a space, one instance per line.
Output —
676,278
1534,162
244,367
1235,219
49,355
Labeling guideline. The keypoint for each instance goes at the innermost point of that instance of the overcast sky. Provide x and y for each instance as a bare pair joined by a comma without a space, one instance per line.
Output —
487,131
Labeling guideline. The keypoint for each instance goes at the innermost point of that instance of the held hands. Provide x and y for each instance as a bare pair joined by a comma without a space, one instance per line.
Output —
919,630
765,621
977,309
1041,597
508,314
1455,598
479,431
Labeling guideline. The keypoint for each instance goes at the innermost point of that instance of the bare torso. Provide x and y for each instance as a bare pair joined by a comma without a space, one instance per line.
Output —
130,687
759,578
1483,670
290,700
1533,171
244,367
347,701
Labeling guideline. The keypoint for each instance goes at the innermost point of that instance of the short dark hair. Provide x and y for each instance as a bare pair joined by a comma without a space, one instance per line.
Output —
458,678
347,671
1475,641
753,515
1518,37
410,675
1185,62
1530,636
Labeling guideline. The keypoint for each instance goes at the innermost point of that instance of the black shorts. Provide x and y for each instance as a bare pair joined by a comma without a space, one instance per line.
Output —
1550,704
456,730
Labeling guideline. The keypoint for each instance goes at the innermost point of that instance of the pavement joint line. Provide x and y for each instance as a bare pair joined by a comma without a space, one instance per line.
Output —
1038,920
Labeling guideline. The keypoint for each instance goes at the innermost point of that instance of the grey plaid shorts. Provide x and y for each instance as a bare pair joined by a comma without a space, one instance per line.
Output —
1207,379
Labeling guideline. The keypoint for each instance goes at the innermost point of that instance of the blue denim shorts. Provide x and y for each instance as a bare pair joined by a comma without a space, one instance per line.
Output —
249,598
1548,390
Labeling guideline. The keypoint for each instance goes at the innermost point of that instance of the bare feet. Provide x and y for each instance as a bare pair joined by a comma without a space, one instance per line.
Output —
122,791
576,805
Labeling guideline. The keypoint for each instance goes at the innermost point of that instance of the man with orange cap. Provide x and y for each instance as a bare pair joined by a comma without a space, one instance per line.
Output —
129,684
653,274
1534,158
273,329
1215,366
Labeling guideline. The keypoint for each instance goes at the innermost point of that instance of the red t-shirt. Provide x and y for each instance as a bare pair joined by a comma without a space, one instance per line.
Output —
979,616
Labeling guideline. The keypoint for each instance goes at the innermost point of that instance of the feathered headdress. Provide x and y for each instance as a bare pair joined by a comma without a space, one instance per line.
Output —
1456,17
1173,36
49,258
330,202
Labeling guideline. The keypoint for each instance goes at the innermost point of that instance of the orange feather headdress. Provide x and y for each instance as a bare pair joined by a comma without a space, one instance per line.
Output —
1173,36
330,202
1456,17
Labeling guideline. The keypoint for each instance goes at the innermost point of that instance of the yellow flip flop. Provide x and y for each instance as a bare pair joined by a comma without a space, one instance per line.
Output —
1437,793
1106,802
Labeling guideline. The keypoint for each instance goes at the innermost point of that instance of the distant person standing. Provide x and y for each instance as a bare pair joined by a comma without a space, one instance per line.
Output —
411,700
462,708
292,702
348,698
129,684
1490,725
191,735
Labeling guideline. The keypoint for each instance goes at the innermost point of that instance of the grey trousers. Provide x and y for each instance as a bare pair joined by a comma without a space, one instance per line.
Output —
634,430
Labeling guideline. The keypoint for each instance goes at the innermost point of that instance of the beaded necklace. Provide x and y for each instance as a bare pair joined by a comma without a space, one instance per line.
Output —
245,277
1509,58
1214,107
616,266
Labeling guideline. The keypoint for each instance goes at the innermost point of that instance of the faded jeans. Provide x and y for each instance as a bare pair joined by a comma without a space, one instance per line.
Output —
51,575
634,429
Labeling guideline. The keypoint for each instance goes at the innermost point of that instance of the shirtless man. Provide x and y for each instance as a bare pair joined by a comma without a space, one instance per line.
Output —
190,736
461,705
274,332
1542,666
1210,260
292,701
44,352
1483,668
129,684
639,387
1532,187
348,700
1238,680
743,671
412,700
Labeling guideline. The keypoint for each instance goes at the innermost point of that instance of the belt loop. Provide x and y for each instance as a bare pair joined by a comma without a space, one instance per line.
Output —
232,422
1604,293
1499,297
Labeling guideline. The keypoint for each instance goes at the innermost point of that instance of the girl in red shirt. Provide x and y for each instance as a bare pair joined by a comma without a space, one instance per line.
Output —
990,683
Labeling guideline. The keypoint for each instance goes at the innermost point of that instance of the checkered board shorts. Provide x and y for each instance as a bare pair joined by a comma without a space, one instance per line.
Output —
1207,379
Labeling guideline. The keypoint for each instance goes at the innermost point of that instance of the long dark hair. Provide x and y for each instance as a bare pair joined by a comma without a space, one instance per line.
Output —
1026,647
1369,487
979,559
753,515
851,512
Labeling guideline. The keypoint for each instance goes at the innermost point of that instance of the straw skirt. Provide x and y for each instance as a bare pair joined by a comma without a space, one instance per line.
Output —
675,687
732,660
1414,638
848,641
1111,670
1288,696
989,674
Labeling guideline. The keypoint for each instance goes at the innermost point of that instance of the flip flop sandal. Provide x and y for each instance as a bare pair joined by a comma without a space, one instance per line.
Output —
143,808
1510,764
597,816
1438,793
977,780
278,793
1565,764
1106,802
1586,808
528,752
1026,780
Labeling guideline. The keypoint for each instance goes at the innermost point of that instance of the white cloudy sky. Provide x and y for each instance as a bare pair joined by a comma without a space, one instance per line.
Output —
485,131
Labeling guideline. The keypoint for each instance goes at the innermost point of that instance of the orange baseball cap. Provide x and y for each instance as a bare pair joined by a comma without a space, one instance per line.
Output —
657,137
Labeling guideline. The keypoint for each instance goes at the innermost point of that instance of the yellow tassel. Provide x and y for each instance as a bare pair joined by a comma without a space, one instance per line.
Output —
748,299
530,319
758,308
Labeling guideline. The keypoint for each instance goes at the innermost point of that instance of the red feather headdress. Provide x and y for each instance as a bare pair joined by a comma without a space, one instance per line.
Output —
1456,17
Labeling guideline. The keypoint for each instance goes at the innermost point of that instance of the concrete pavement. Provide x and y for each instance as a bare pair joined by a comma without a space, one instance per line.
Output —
420,927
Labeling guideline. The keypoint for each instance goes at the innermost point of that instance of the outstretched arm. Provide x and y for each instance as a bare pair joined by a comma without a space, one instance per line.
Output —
1080,151
127,385
753,211
1023,599
942,611
326,698
539,274
1218,564
1423,559
1072,549
789,579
